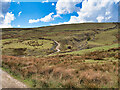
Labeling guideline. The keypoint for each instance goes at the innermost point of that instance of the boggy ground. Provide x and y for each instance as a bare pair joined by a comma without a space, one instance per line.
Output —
98,69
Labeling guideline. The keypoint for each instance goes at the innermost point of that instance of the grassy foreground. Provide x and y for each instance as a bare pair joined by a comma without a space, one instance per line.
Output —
97,69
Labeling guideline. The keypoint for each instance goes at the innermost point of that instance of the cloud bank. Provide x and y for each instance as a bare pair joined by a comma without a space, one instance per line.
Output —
5,17
97,11
6,23
47,18
91,11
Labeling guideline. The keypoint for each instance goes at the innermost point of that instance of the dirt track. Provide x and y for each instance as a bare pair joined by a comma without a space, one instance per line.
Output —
58,46
10,82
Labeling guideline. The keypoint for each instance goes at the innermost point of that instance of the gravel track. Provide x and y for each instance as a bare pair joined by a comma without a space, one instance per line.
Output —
7,81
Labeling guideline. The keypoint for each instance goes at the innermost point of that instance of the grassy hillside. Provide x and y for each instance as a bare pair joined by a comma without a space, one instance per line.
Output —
71,38
64,56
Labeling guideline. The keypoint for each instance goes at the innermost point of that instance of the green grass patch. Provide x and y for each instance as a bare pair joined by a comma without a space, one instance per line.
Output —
30,44
94,49
107,37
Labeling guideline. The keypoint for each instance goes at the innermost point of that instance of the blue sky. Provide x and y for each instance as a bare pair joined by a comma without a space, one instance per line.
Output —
37,13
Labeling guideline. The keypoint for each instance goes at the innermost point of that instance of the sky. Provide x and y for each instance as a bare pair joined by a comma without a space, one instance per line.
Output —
38,13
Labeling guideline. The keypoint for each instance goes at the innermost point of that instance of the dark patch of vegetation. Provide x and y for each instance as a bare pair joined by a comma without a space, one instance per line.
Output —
19,51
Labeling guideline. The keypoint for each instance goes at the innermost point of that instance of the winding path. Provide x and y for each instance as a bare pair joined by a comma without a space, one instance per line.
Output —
6,81
58,46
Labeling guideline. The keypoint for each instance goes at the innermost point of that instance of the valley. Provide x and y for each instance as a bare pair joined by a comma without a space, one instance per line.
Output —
81,55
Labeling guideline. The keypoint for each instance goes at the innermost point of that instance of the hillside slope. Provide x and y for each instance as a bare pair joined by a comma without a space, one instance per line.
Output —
42,41
65,56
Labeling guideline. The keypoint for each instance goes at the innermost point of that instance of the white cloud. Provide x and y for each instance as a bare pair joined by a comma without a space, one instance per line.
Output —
67,6
1,16
57,16
9,17
53,4
62,7
18,25
18,2
91,11
116,1
34,21
19,13
47,18
6,23
107,18
45,1
107,13
94,11
100,18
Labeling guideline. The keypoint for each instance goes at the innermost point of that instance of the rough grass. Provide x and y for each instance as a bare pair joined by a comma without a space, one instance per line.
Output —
68,71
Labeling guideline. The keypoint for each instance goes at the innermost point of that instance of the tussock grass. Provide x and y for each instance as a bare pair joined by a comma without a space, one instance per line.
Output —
67,71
